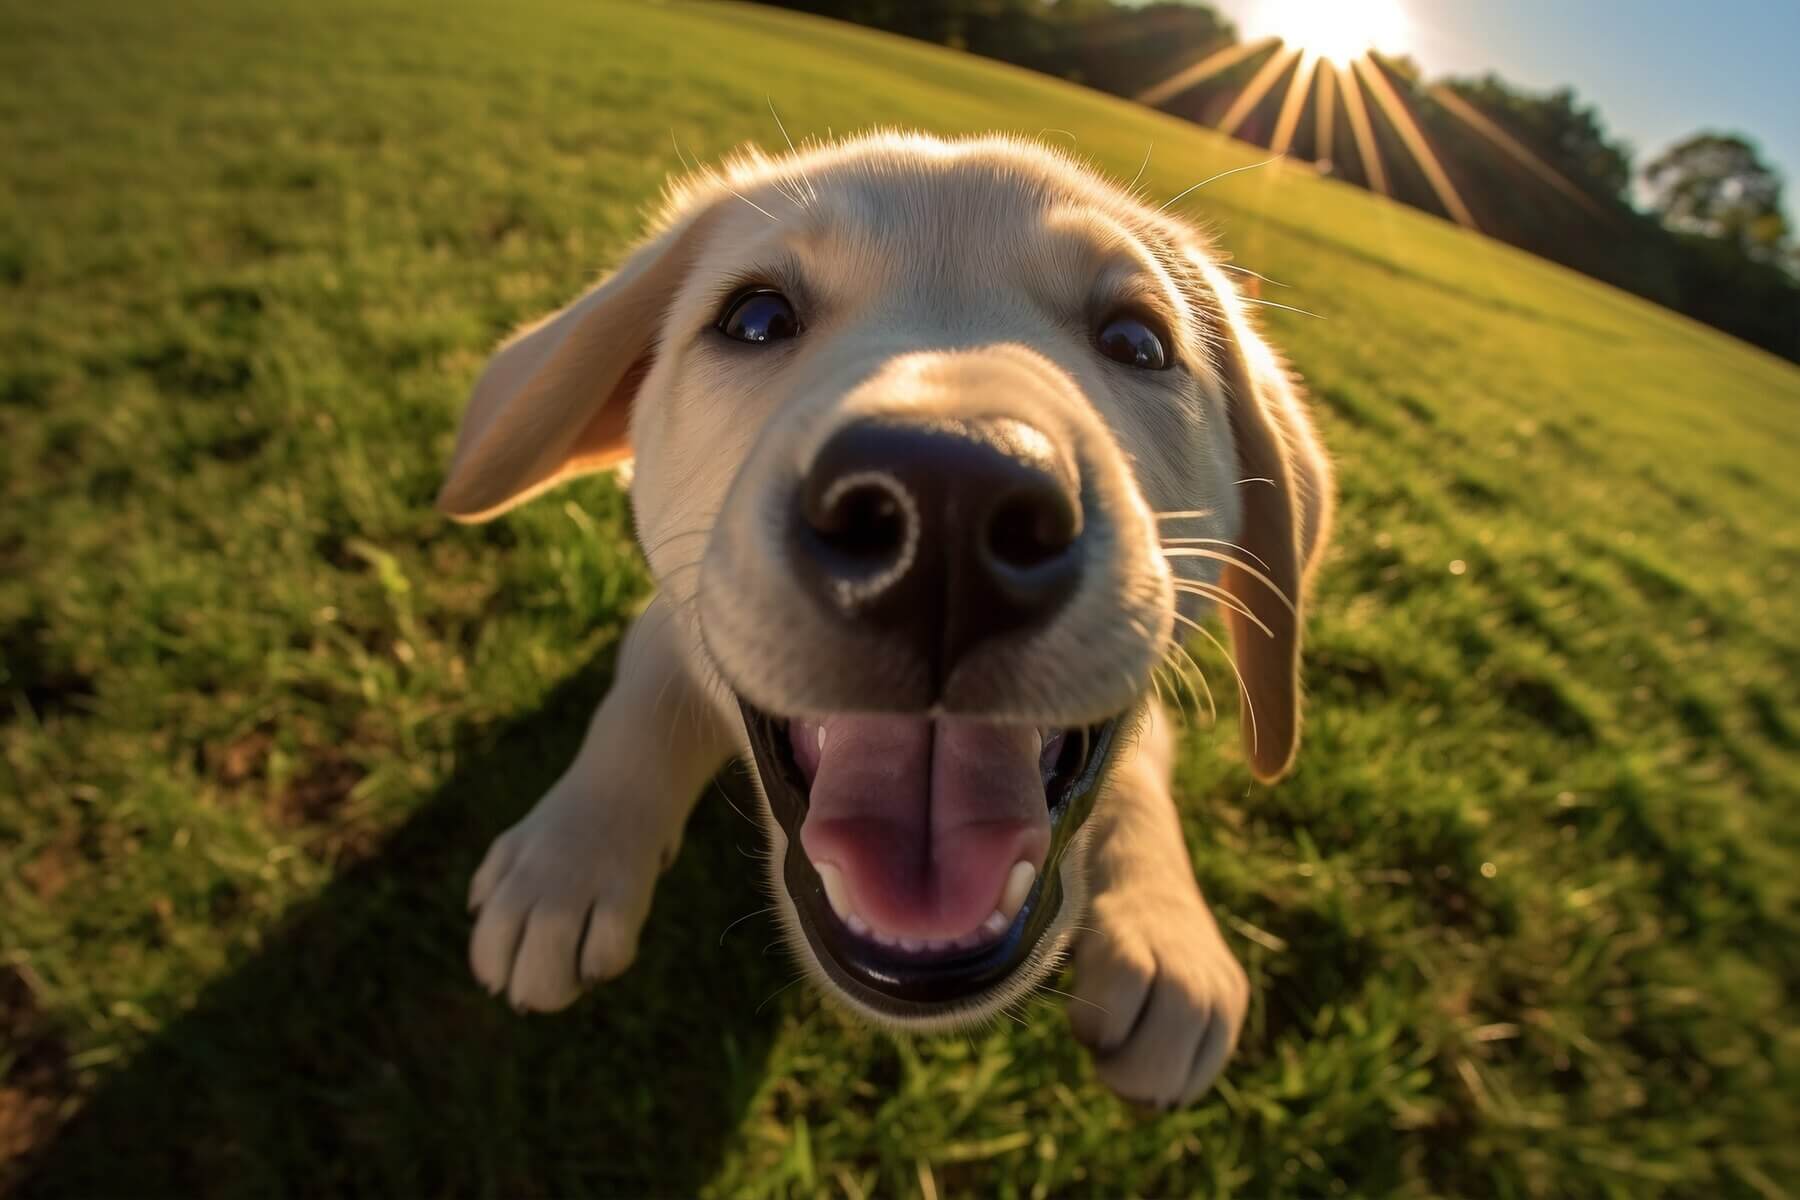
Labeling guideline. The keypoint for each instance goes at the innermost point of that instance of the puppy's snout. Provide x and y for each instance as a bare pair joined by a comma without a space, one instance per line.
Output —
941,535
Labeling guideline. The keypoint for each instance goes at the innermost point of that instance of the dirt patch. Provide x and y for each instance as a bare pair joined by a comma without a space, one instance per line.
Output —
313,805
241,760
318,793
38,1080
51,868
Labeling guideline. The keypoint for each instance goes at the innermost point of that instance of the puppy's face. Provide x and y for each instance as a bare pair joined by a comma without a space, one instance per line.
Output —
934,446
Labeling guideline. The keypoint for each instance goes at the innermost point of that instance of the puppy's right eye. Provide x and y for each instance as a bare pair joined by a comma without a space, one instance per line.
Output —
759,316
1129,340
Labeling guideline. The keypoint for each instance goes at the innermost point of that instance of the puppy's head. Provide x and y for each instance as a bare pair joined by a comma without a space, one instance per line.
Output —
935,444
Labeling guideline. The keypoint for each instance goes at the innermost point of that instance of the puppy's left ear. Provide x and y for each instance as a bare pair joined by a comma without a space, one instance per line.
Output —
1285,483
556,399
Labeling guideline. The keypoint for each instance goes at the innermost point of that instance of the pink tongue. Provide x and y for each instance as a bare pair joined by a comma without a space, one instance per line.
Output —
924,819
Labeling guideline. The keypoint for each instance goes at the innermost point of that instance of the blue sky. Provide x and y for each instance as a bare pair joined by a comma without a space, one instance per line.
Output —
1656,69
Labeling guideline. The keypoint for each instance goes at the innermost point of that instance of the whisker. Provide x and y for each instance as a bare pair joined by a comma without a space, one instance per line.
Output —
1156,681
770,101
753,204
755,912
1186,513
1140,171
1078,999
1253,274
685,164
1156,684
1275,304
1243,688
795,182
788,193
1184,691
1215,542
1213,592
720,788
1215,178
1188,696
1190,552
1212,707
784,987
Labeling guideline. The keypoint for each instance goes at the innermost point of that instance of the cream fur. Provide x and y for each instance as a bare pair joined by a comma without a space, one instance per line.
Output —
948,280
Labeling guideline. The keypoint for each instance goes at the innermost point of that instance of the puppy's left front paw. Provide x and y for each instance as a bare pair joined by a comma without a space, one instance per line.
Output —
1159,999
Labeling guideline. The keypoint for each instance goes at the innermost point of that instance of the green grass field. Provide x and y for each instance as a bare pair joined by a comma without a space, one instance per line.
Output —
1523,923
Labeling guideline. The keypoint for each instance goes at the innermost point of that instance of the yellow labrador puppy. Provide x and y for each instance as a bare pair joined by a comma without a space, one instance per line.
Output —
937,446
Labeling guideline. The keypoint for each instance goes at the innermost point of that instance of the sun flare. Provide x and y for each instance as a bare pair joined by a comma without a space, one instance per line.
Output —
1339,30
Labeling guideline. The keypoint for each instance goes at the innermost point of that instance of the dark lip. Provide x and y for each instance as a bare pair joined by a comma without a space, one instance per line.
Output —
890,983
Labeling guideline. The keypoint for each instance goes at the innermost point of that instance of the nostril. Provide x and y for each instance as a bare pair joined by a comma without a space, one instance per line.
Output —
861,520
1029,529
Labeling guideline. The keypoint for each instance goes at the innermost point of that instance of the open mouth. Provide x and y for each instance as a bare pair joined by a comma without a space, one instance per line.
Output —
923,853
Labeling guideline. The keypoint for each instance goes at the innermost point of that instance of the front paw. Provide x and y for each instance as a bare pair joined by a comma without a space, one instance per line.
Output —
559,902
1159,999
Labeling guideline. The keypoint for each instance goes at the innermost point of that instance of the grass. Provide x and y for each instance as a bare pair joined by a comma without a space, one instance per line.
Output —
1522,924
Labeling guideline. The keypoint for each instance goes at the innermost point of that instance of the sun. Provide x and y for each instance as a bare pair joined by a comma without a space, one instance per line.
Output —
1339,30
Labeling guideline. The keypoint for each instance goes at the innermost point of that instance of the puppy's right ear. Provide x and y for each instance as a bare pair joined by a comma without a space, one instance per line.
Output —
556,399
1287,503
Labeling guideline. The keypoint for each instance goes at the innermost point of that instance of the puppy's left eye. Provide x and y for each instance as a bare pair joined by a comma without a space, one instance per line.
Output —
759,316
1130,340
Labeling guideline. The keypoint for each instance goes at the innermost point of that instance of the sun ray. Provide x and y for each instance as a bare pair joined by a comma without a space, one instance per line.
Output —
1409,132
1200,72
1258,87
1475,119
1323,115
1366,149
1324,49
1294,103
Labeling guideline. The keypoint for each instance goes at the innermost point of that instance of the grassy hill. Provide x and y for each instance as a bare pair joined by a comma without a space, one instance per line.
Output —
1523,923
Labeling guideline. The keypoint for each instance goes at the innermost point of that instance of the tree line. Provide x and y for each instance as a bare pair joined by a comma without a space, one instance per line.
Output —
1699,229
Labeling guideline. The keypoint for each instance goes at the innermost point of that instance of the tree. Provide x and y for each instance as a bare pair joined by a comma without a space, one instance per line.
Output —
1565,133
1718,186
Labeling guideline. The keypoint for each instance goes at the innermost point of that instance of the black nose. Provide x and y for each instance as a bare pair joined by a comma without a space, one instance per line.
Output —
943,536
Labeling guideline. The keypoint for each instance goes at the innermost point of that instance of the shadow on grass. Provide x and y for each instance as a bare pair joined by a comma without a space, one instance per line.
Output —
354,1053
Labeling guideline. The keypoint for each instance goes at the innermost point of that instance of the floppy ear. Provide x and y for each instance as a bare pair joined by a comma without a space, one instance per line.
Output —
556,399
1284,480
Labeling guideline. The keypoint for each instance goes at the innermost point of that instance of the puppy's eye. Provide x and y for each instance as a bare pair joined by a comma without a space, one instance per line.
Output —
1129,340
759,316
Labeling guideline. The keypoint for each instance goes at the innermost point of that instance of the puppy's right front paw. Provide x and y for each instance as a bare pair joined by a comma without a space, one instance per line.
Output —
559,905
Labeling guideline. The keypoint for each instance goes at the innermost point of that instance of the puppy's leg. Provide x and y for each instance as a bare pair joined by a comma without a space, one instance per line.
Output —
1159,997
562,895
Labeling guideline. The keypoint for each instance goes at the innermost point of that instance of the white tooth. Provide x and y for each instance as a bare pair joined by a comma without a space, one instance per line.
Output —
911,945
886,939
1018,885
856,925
821,739
996,924
835,890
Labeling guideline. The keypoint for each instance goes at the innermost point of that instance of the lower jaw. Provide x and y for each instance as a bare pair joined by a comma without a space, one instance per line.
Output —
883,980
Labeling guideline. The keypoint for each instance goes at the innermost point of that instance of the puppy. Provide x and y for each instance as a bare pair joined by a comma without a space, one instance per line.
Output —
938,447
